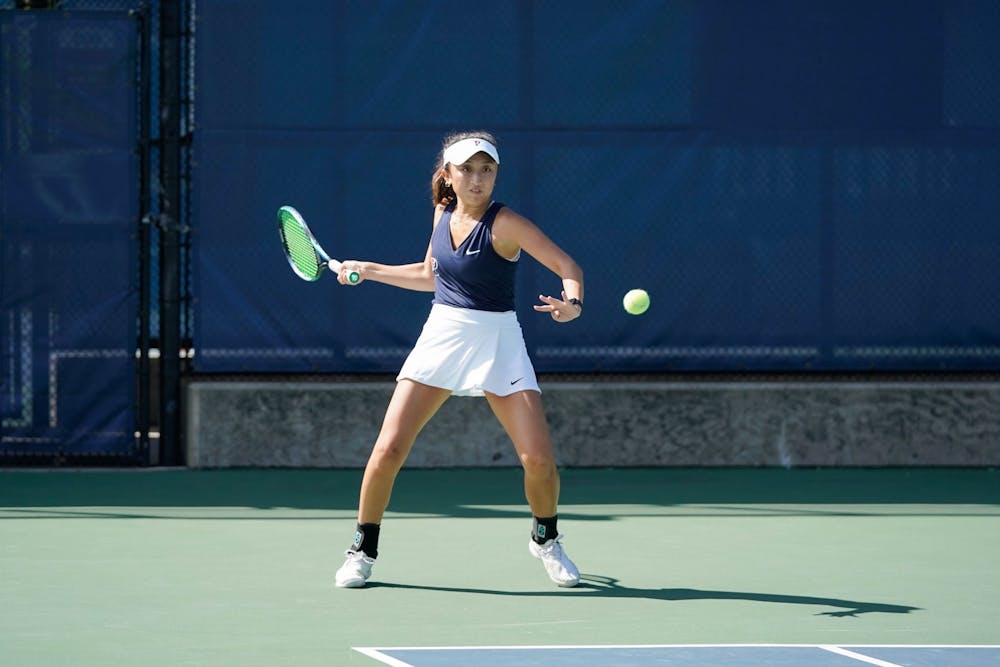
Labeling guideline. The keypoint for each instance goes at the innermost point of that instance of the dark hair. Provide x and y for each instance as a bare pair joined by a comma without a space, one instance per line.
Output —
441,193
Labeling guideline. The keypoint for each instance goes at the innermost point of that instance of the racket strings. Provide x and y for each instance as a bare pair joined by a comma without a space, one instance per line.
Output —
299,247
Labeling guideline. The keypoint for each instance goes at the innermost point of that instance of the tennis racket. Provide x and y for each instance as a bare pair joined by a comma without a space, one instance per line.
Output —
304,253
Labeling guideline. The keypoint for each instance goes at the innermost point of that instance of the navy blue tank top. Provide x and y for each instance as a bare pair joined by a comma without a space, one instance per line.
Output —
472,275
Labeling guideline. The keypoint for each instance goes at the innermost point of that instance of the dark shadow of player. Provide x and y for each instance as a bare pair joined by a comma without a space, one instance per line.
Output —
592,585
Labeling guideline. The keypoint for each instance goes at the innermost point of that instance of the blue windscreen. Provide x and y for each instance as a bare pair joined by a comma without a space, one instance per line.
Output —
799,185
68,206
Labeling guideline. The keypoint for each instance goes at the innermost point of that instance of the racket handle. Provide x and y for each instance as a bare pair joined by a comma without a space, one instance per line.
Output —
353,277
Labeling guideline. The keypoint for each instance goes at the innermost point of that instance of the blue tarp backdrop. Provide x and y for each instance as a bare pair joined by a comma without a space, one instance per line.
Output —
799,185
68,207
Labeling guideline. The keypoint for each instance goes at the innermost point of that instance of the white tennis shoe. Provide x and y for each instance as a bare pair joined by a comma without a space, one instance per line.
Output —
561,569
355,570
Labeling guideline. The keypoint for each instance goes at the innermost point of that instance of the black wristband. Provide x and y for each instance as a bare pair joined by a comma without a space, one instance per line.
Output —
576,302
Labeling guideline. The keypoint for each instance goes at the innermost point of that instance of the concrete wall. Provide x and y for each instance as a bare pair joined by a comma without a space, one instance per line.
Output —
780,423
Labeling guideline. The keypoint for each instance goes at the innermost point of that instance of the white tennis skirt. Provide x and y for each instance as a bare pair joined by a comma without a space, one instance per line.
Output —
471,352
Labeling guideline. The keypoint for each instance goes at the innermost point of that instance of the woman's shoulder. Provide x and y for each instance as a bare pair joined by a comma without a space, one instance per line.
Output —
508,216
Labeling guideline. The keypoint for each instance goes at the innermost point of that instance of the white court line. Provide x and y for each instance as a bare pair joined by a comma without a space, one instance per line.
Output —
377,654
618,646
531,647
858,656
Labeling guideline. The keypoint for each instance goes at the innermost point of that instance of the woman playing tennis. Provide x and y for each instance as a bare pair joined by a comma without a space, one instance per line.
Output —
471,345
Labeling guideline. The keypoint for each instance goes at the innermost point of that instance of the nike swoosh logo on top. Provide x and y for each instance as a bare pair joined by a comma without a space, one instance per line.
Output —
516,381
471,252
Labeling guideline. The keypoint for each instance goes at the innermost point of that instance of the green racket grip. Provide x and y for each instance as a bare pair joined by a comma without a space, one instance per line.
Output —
353,277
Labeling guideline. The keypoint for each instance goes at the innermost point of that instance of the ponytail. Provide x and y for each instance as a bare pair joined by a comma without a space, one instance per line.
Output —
441,193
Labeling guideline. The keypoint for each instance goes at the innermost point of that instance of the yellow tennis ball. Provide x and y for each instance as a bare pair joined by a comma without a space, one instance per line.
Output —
636,302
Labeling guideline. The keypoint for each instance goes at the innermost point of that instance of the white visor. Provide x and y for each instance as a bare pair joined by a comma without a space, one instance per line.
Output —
460,151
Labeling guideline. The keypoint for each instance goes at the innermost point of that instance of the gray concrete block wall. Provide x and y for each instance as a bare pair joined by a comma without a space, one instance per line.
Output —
780,423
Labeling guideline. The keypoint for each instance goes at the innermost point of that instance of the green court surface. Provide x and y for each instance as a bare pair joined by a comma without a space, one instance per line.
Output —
235,567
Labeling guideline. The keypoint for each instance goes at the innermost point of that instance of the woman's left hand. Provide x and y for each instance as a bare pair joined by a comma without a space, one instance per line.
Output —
561,310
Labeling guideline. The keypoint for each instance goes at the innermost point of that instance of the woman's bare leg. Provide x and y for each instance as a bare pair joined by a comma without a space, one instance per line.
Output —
523,419
411,407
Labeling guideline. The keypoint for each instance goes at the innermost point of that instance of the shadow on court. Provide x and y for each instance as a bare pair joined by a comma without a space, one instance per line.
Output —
497,492
608,587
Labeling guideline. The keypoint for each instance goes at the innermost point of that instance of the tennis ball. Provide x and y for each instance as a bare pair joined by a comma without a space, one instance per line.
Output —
636,302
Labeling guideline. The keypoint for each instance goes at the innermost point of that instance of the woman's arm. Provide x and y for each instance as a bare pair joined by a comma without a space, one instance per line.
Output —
514,232
415,276
418,276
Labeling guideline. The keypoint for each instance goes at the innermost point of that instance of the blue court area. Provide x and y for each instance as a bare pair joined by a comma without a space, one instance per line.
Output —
689,656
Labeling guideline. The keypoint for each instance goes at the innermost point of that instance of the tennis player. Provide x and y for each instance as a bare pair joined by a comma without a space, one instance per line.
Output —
471,345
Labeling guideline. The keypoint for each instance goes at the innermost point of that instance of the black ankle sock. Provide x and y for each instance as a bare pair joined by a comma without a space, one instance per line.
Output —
543,530
366,539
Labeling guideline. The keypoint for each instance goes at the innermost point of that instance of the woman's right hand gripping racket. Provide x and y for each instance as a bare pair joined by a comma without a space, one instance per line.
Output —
305,255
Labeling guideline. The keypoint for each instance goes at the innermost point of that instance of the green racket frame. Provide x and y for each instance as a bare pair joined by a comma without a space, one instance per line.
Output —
304,253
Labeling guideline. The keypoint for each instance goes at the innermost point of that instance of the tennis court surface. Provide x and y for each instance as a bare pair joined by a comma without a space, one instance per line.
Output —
726,567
